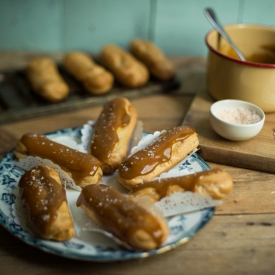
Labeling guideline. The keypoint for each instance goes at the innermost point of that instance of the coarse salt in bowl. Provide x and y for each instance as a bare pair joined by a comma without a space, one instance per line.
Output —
236,119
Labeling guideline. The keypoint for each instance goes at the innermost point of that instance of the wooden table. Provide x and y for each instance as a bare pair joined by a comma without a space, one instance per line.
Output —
239,239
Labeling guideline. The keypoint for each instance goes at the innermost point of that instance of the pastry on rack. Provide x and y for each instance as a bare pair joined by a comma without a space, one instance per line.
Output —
157,157
112,133
45,200
126,220
127,70
46,80
215,183
158,64
83,168
94,77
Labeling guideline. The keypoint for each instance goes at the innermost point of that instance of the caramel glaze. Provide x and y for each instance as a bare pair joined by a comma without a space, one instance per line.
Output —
144,161
265,54
118,214
42,195
187,183
78,164
113,116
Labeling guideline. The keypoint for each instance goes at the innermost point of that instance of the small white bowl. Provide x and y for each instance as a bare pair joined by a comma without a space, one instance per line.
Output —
235,131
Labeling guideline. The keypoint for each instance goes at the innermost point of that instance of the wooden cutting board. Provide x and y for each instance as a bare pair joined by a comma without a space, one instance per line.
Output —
257,153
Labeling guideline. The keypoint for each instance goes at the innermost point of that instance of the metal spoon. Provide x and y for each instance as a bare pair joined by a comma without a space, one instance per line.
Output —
212,18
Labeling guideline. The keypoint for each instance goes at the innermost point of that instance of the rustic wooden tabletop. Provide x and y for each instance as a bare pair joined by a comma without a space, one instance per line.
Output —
239,239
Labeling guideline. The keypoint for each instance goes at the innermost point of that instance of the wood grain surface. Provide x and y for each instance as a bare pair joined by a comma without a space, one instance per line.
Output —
257,153
239,239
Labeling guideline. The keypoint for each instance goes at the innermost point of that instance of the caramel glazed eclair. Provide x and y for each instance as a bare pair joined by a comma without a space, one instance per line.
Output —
128,71
126,220
46,80
165,152
94,78
215,183
112,132
45,200
83,168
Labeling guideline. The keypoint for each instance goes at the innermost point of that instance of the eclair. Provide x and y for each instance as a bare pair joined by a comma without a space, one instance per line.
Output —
112,133
157,63
215,183
46,80
125,219
128,71
157,157
45,200
94,77
83,168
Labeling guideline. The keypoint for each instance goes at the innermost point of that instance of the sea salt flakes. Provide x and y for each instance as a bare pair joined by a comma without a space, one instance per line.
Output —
238,116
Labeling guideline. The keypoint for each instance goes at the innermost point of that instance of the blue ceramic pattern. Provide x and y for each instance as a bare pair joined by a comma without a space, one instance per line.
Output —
182,227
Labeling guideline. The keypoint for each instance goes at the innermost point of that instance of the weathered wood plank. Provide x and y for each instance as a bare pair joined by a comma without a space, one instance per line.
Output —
230,244
253,192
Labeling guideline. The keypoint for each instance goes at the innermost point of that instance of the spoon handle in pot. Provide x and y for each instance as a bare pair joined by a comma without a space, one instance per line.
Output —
212,18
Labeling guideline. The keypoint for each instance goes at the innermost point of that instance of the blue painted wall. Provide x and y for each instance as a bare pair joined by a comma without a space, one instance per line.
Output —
178,27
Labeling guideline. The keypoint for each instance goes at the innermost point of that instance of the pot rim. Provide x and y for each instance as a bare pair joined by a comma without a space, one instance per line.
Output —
247,63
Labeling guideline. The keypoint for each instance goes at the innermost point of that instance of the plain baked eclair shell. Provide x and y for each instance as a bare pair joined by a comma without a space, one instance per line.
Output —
93,77
46,80
128,71
158,64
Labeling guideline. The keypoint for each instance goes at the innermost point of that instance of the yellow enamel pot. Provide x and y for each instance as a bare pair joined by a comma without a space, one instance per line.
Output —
253,80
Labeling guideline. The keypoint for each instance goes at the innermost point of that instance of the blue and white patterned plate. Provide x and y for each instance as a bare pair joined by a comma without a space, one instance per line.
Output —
93,246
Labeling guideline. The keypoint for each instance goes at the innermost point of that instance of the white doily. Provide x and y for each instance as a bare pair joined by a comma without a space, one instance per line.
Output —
20,214
148,139
185,202
87,135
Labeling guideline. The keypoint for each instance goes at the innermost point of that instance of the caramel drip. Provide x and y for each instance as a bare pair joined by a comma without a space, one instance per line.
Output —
145,161
79,164
113,116
42,195
117,214
186,182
